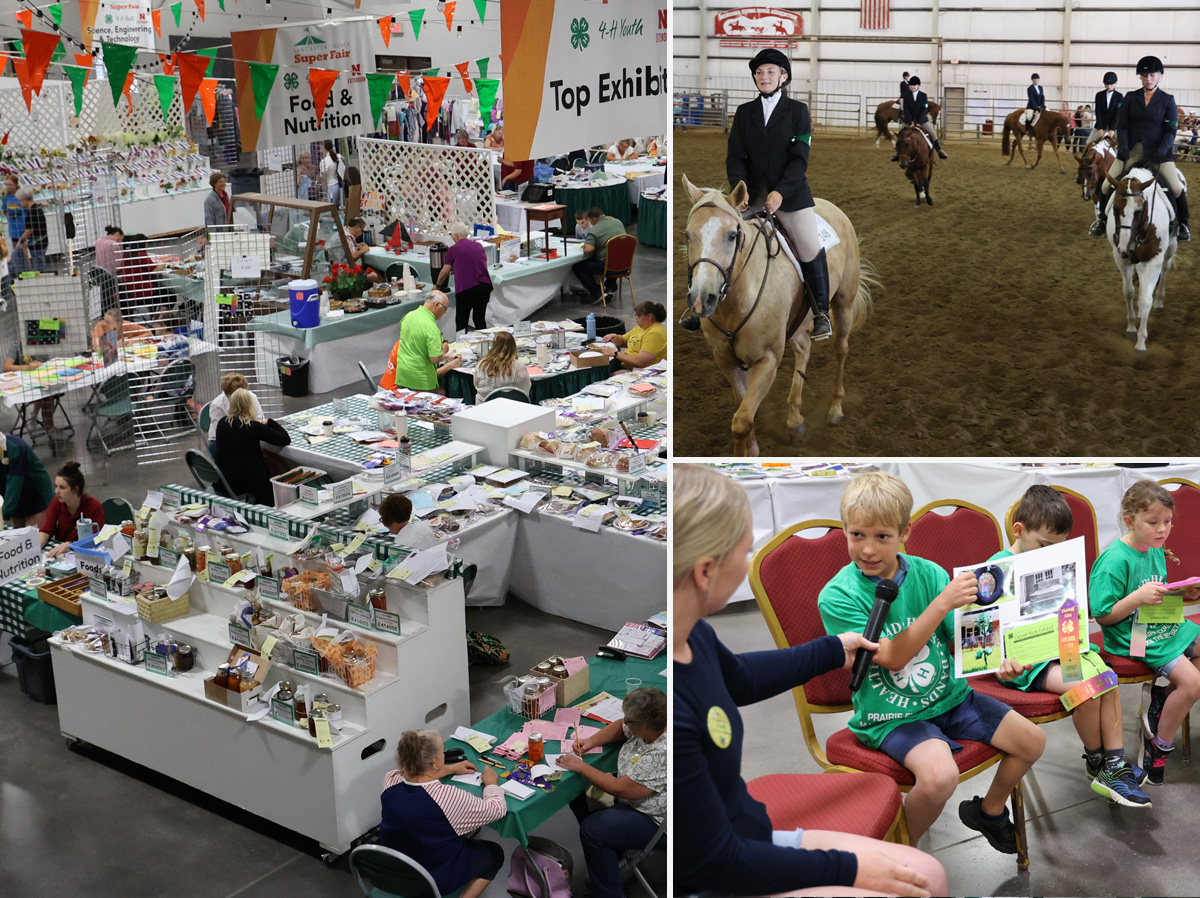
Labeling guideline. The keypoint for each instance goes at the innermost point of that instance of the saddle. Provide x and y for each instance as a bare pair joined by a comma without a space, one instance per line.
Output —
800,305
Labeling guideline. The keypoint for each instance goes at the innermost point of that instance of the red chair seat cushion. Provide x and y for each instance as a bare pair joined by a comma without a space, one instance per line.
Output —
844,749
864,804
1027,704
1122,665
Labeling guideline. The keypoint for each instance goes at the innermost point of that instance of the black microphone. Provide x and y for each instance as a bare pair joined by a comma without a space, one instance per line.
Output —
885,594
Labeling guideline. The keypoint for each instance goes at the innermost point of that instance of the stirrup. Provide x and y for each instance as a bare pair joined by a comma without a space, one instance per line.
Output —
1184,233
1098,227
821,328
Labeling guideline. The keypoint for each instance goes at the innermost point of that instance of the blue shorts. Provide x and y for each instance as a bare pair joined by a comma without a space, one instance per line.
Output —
976,719
1189,653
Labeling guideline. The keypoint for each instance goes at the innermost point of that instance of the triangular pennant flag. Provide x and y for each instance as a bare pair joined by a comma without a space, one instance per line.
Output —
176,9
59,52
191,72
25,17
21,70
221,3
3,62
449,11
462,70
262,79
211,53
379,85
483,65
78,76
126,88
156,18
167,65
83,60
165,85
19,46
487,88
55,10
200,6
39,47
208,99
402,78
435,89
480,6
385,28
118,59
431,73
416,16
320,82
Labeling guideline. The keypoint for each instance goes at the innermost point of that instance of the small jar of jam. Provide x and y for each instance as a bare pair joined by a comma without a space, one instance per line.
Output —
543,669
222,677
234,561
559,672
537,748
334,715
320,700
301,706
235,680
378,598
312,722
185,657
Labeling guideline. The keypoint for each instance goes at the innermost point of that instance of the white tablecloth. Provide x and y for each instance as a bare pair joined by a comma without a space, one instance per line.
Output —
511,215
519,290
645,182
489,543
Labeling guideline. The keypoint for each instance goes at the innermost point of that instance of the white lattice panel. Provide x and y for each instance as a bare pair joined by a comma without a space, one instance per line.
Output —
427,187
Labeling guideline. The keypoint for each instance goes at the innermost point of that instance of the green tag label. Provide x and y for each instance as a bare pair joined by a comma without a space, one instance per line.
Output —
278,528
387,622
306,662
308,494
97,588
168,557
159,664
172,498
239,635
392,473
343,492
359,616
218,573
268,587
284,712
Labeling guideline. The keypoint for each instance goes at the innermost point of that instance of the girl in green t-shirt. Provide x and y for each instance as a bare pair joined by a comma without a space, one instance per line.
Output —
1130,573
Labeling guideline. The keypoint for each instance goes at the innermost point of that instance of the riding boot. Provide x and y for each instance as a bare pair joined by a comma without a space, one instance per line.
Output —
816,274
937,145
1101,223
1181,212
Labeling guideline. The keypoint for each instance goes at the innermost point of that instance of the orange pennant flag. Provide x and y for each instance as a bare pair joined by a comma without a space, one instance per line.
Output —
3,62
156,17
39,47
462,70
385,28
435,89
191,73
450,4
83,60
125,90
200,6
168,66
208,97
402,79
25,17
21,70
320,82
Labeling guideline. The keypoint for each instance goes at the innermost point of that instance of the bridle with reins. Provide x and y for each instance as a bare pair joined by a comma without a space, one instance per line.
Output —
1139,236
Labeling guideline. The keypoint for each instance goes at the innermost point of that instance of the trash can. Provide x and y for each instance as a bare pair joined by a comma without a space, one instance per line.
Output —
293,376
35,673
605,324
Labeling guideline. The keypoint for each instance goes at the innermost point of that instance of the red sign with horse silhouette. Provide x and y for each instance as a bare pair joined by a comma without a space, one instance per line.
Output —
765,26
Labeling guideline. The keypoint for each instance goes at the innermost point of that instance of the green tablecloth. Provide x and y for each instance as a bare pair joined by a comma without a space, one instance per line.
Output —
525,816
613,199
652,222
280,323
462,386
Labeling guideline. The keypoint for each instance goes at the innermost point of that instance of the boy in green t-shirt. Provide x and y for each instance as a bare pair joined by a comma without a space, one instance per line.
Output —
1043,518
911,706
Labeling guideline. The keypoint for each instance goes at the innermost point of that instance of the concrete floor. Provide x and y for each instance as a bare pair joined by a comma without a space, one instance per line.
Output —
1080,844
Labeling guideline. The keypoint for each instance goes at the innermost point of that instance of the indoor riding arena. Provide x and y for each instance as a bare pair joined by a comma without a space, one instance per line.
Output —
999,326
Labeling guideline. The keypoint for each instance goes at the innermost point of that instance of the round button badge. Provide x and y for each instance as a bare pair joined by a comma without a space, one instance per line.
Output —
719,729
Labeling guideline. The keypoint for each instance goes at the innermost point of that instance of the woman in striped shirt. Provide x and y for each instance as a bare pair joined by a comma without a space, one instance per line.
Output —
428,819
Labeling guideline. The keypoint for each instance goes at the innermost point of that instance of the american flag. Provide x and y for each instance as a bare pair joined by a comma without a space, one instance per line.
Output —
875,15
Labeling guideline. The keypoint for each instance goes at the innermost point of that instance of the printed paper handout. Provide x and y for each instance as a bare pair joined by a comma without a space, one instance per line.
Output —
1016,614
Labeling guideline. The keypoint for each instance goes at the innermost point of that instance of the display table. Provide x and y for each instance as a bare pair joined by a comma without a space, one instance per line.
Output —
652,221
511,216
460,385
612,199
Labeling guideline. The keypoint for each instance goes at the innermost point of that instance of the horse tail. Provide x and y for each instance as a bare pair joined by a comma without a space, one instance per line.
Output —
867,280
880,124
1005,145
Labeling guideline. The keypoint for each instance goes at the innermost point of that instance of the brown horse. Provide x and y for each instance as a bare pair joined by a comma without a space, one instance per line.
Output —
1047,127
916,161
887,112
747,293
1094,164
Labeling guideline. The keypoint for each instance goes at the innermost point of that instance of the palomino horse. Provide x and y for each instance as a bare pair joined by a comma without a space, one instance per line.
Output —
916,160
887,112
751,300
1139,220
1094,164
1045,128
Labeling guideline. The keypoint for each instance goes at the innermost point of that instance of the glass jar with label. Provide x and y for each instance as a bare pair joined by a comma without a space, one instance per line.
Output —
543,668
285,693
559,672
138,550
320,700
334,715
537,748
234,561
235,680
185,657
222,677
301,705
312,722
378,598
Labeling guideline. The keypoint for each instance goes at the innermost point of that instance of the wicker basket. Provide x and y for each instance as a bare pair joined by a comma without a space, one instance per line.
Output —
155,611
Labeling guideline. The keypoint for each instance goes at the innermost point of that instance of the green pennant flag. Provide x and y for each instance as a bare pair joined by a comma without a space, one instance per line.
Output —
176,9
211,53
416,16
19,46
165,84
221,3
55,11
487,88
78,76
118,59
262,79
483,64
480,5
431,73
379,85
59,52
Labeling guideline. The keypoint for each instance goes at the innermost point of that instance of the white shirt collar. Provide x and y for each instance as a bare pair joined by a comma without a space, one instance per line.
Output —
769,104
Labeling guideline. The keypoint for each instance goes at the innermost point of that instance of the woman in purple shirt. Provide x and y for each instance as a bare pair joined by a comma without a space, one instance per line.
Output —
472,286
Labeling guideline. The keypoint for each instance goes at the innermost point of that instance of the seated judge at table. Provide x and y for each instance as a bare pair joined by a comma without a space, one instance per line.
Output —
462,139
513,176
219,407
500,369
622,151
640,789
24,483
69,504
395,513
601,229
646,344
467,259
239,448
495,140
429,820
17,360
359,248
423,356
111,332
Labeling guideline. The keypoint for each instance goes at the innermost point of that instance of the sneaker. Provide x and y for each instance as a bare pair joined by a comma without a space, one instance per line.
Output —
821,329
1139,775
1092,770
1118,786
1000,834
1154,759
1150,707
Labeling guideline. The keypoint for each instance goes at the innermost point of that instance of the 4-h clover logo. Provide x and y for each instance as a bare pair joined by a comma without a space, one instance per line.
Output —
579,33
291,80
108,20
917,675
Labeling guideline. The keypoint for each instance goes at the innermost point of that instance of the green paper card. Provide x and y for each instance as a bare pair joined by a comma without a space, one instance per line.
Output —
1032,643
1169,612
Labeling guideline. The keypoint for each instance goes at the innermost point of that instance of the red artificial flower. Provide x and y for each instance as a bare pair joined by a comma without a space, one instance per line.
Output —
328,279
358,269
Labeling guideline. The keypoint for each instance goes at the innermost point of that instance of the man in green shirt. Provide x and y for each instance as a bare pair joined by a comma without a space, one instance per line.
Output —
595,251
422,349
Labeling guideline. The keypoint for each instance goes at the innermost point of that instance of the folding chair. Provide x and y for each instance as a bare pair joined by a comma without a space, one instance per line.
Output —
117,510
204,421
209,476
382,872
786,576
27,419
618,265
514,393
110,402
967,535
632,858
372,383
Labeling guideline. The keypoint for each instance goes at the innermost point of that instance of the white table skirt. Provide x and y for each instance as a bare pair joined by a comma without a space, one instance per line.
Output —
645,182
489,544
517,294
511,215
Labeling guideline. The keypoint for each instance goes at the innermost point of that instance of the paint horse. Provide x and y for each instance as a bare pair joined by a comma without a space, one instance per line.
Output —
889,111
1094,164
1139,229
916,161
1047,128
752,305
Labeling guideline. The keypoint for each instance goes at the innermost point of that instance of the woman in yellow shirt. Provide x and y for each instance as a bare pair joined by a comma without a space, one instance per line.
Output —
646,344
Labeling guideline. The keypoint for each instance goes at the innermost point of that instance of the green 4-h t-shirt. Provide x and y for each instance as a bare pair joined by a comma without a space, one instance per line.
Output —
923,688
1119,571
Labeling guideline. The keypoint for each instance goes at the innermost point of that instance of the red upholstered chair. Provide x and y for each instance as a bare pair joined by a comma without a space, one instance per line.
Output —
786,576
862,804
967,535
618,264
1083,523
1184,542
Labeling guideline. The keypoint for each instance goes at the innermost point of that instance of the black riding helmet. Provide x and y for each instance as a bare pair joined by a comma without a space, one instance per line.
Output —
1148,64
1110,78
771,56
914,81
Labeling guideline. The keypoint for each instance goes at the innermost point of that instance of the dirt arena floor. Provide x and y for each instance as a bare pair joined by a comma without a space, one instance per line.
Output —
999,329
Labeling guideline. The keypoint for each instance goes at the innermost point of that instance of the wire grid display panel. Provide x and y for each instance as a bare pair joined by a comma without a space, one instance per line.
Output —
422,435
220,141
426,187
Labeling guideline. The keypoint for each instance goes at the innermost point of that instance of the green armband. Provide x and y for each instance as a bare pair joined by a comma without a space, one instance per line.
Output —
806,138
